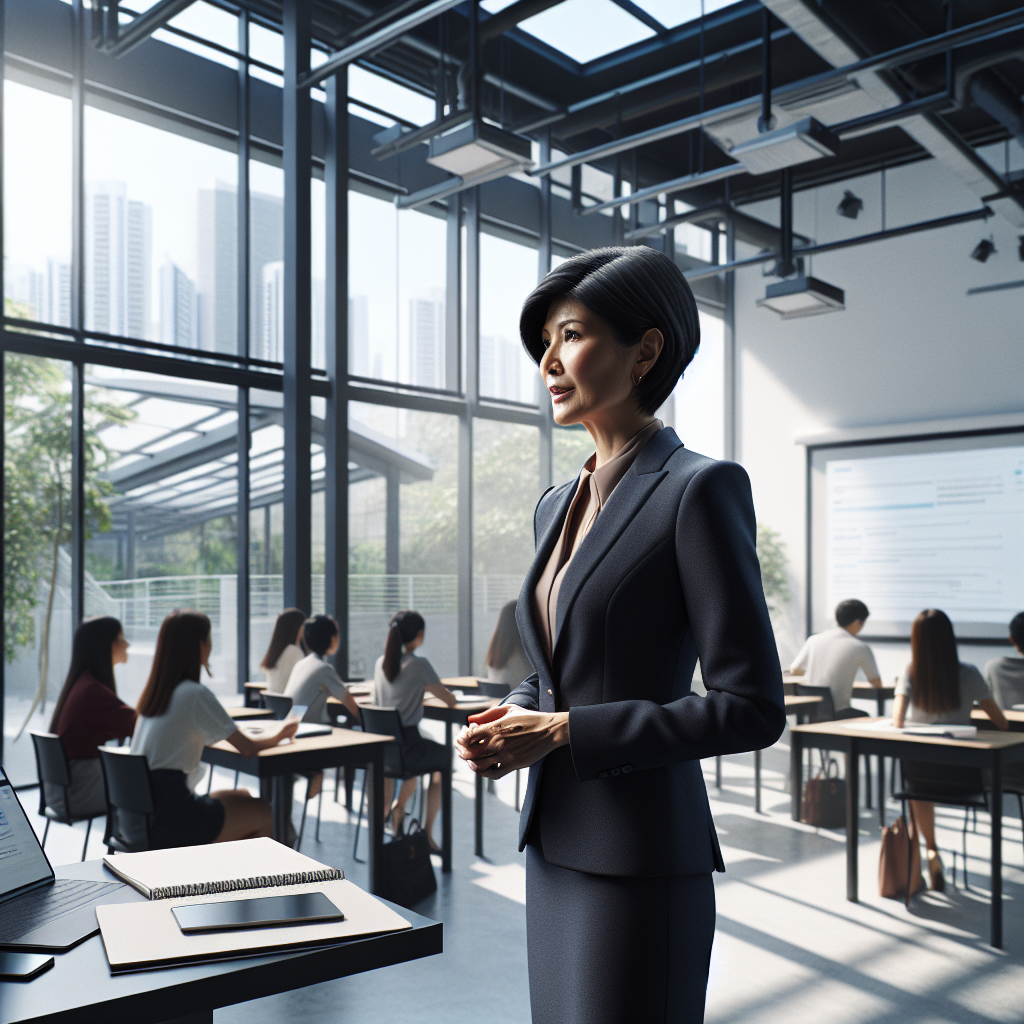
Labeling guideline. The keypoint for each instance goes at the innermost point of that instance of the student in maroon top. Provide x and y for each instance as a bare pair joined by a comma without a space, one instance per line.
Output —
88,712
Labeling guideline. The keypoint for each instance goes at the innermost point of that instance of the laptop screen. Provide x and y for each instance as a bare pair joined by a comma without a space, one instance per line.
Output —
22,861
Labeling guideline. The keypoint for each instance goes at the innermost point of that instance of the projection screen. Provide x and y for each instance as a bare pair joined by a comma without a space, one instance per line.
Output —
924,523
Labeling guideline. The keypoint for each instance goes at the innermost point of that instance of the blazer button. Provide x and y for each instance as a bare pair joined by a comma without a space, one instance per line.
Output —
602,775
626,769
551,693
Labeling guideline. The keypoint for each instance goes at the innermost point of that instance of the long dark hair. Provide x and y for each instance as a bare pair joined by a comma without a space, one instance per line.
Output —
92,652
403,628
934,664
505,640
286,630
177,658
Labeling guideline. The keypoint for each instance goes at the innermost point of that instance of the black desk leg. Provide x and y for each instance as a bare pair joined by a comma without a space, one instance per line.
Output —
881,790
997,849
281,806
479,815
446,803
880,704
796,772
757,781
852,820
375,822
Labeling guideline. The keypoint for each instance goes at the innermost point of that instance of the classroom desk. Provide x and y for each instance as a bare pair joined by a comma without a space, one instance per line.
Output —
992,751
880,694
275,766
252,694
79,988
245,714
461,683
799,706
982,721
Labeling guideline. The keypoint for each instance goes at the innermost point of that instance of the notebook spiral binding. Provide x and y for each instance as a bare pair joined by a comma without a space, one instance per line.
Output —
168,892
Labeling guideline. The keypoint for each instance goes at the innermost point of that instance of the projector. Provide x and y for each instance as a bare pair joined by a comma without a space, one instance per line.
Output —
478,151
795,144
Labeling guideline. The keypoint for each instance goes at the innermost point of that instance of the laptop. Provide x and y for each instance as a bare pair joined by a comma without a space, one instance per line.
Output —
39,912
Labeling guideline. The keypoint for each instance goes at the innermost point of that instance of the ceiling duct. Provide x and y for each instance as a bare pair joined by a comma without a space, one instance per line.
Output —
988,91
802,296
797,143
478,151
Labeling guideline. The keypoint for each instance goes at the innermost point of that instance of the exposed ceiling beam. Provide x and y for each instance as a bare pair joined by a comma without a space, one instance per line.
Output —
142,26
500,23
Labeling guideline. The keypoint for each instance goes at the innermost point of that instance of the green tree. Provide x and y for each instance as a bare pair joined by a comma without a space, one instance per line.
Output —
771,553
37,492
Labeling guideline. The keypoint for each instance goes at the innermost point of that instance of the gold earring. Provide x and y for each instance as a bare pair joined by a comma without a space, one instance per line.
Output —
636,380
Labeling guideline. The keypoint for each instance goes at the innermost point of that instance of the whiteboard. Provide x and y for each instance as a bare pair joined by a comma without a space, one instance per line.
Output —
908,525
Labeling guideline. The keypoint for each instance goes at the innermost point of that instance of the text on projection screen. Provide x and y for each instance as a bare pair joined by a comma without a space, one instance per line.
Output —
938,530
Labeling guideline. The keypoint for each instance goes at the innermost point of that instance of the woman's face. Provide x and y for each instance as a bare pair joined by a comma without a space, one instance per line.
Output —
586,371
119,650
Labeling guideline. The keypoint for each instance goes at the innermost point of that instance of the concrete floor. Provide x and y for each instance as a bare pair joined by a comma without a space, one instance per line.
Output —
789,946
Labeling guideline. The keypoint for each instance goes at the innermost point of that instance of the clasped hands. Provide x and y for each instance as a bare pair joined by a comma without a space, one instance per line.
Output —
506,738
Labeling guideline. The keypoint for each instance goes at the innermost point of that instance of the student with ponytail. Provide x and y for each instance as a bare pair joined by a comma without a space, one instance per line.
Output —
400,679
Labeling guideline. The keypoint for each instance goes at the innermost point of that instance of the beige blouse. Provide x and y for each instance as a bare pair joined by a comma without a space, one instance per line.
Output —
592,494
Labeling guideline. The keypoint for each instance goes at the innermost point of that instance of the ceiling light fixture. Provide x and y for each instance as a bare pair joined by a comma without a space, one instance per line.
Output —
985,248
797,143
850,205
478,151
802,296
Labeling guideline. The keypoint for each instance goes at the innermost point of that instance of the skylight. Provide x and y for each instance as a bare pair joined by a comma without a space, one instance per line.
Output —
587,29
678,12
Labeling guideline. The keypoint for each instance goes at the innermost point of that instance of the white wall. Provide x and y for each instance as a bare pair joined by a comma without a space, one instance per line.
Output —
911,345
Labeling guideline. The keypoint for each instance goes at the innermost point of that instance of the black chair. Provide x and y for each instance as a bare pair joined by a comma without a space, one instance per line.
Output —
486,688
278,704
386,722
968,792
128,788
52,767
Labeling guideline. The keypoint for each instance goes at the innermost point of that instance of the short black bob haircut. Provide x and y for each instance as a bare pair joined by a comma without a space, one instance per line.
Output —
849,612
632,289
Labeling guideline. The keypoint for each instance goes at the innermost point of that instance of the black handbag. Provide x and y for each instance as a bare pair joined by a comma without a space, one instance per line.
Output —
824,799
408,873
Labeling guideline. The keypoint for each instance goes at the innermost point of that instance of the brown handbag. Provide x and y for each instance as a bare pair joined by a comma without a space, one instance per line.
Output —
824,799
899,863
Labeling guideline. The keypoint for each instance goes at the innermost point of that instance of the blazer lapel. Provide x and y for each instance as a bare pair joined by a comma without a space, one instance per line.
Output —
627,499
532,643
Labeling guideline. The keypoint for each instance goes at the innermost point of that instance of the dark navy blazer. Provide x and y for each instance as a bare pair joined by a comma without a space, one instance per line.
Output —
667,574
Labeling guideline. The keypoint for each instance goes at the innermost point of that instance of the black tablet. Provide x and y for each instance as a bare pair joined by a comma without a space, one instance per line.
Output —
261,912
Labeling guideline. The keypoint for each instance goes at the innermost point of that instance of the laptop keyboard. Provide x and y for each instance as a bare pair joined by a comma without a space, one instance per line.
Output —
34,909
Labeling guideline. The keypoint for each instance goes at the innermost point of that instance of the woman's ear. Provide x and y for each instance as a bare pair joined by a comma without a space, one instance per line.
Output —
648,351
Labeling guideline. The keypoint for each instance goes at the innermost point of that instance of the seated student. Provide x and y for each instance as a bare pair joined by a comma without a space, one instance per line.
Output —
178,717
1006,675
284,651
832,658
88,713
399,681
937,687
313,680
506,659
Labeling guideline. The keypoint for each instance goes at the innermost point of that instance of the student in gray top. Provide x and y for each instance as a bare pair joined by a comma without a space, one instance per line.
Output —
400,679
833,657
1006,675
313,680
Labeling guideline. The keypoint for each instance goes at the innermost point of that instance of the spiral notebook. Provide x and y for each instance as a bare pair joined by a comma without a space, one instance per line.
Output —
217,868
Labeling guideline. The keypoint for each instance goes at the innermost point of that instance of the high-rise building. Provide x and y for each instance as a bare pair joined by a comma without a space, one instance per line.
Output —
426,340
58,292
217,265
271,338
179,319
118,254
25,286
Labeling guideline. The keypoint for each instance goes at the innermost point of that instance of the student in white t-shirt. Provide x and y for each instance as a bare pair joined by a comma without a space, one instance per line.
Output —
284,651
178,717
833,657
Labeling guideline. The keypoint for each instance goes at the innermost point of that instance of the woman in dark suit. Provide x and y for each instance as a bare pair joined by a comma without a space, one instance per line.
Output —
643,564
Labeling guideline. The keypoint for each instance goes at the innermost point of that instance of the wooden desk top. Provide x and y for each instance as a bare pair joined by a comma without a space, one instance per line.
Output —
308,744
244,714
461,683
845,727
863,689
801,702
1015,718
256,685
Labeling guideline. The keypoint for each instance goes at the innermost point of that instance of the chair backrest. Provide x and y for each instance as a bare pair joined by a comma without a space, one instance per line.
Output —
51,761
279,704
823,712
383,721
126,777
488,688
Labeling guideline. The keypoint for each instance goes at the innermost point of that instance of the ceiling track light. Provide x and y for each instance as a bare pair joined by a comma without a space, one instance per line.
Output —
850,205
802,296
985,248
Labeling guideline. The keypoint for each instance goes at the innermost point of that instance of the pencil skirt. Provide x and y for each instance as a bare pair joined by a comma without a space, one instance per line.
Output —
617,950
